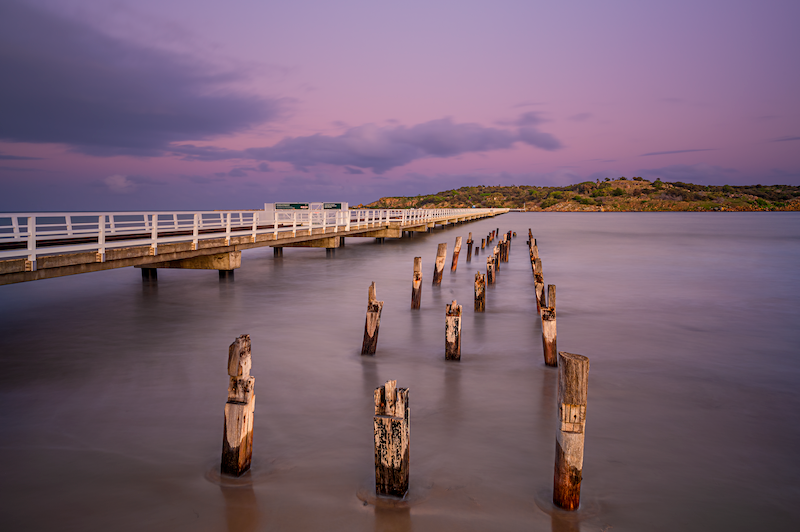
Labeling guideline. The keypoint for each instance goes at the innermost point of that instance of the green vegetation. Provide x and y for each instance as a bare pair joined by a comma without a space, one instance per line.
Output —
622,194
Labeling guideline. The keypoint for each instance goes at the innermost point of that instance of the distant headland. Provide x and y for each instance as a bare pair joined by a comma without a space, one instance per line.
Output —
621,194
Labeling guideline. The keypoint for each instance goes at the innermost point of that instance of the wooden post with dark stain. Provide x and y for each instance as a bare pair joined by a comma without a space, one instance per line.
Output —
237,438
391,430
573,387
452,332
456,251
373,324
483,243
549,328
416,283
480,292
538,282
490,269
496,252
469,248
438,267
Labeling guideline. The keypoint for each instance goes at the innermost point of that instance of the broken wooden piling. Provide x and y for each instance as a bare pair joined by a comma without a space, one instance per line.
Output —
373,323
549,328
469,248
490,269
483,243
480,292
237,438
573,386
452,332
391,432
538,282
456,251
438,267
416,283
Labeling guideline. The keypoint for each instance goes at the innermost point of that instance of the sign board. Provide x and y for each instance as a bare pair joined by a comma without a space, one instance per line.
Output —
291,206
335,206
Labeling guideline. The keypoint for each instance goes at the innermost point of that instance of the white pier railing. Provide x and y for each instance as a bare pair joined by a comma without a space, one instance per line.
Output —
27,235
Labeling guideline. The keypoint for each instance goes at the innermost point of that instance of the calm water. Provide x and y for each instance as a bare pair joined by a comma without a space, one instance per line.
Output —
112,392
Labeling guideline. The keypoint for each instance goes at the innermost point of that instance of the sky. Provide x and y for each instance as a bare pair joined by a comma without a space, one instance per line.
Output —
200,104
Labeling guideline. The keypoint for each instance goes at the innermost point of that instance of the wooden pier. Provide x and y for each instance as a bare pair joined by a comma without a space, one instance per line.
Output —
36,246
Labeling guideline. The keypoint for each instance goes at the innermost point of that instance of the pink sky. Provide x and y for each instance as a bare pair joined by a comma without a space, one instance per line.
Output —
196,104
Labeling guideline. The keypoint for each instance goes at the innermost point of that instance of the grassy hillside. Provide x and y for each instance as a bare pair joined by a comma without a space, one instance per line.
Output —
621,194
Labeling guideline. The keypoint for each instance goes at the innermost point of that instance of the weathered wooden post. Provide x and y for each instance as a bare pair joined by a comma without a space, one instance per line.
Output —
277,252
515,234
416,283
549,328
452,332
391,430
237,439
456,251
496,252
490,269
469,248
573,386
438,267
480,292
538,282
371,327
483,243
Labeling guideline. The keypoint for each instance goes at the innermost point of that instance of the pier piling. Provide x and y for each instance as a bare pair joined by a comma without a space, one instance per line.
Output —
438,267
573,385
237,440
549,328
490,269
416,283
452,332
373,323
456,251
480,292
469,248
391,434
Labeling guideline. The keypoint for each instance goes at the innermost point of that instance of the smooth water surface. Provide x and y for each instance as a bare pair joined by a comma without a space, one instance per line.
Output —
112,391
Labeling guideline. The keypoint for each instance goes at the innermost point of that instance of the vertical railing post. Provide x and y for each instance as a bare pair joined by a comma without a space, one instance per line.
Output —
275,224
195,230
101,237
227,218
32,240
153,232
294,223
255,225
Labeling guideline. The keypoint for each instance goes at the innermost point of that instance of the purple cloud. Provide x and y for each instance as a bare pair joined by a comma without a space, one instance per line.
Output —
675,151
76,86
384,148
786,139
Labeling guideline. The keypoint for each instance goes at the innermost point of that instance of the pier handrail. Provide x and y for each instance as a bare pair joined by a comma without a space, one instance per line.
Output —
30,234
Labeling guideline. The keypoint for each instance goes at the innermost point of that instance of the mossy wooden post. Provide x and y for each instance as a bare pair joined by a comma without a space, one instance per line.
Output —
490,269
456,251
391,430
373,324
452,332
438,267
416,283
237,439
549,328
480,292
573,386
469,248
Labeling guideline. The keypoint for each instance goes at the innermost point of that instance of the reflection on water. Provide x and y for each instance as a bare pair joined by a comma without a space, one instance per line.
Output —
113,389
241,509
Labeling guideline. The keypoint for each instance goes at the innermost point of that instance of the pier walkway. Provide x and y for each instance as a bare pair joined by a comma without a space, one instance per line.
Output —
37,246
